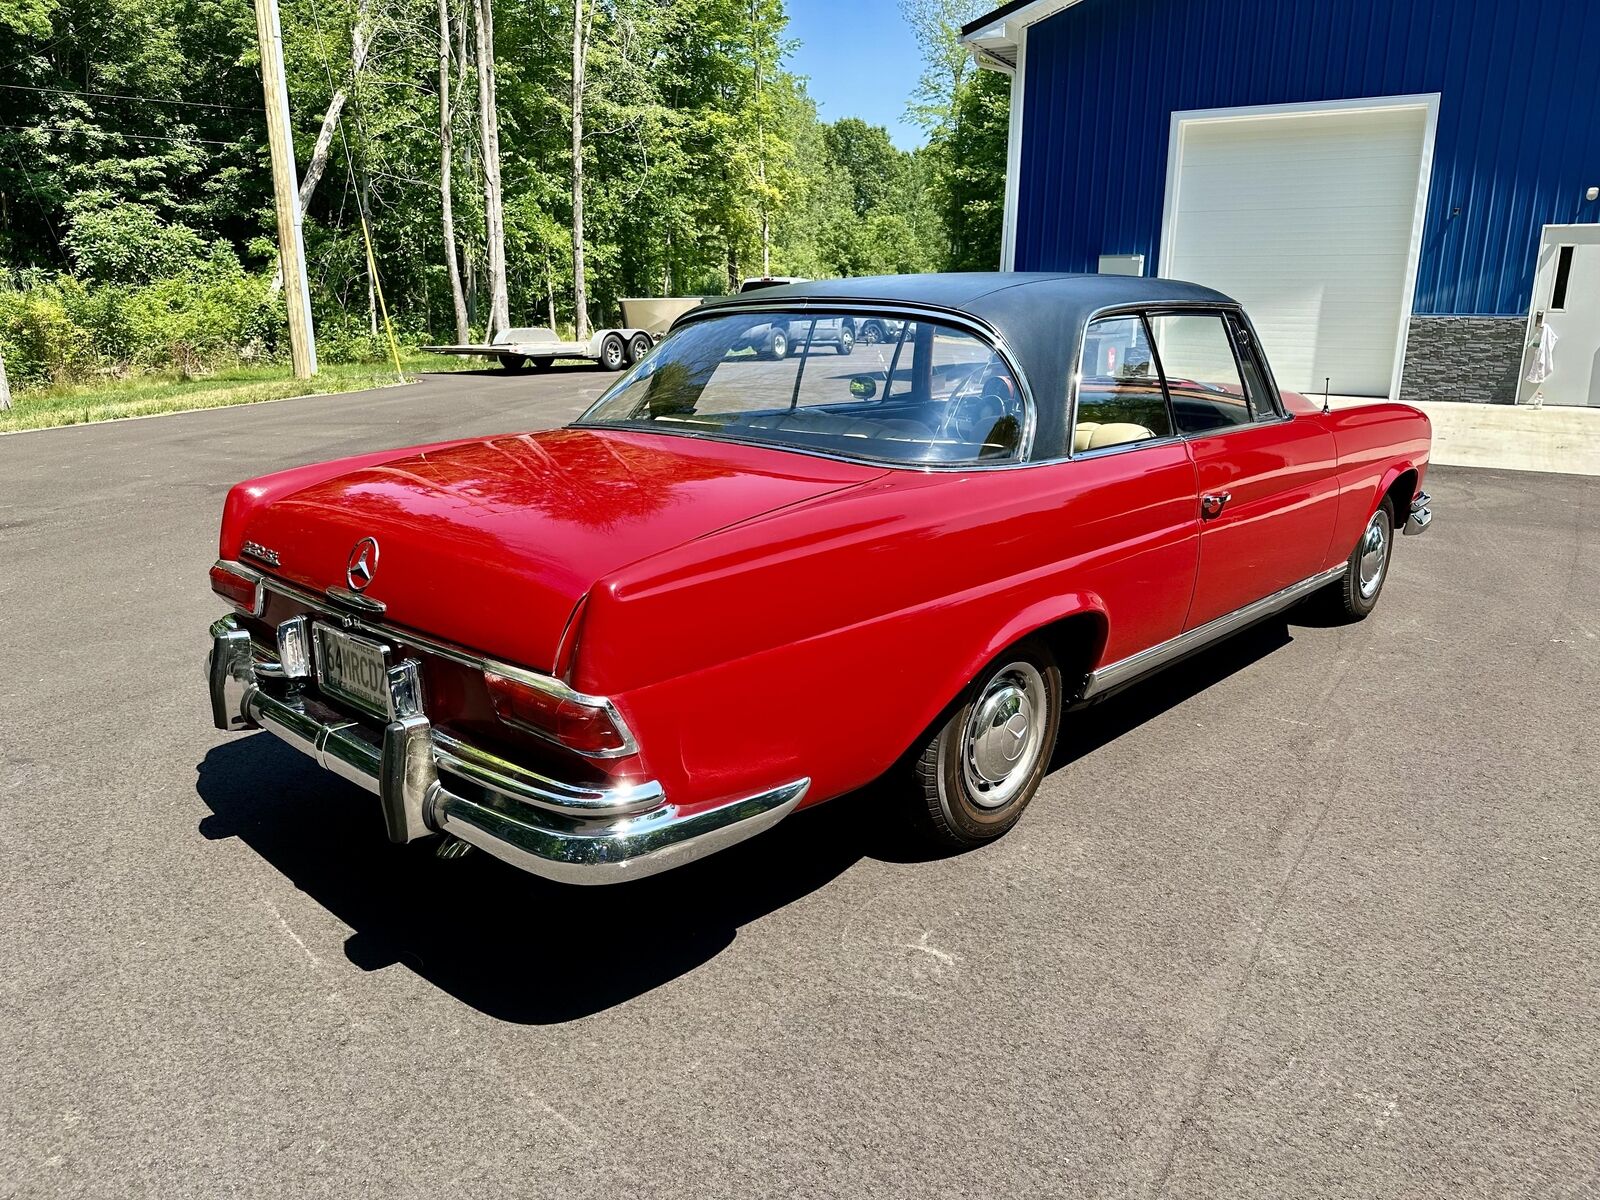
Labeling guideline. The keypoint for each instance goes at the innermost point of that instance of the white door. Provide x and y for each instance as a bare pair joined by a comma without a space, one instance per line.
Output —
1566,297
1311,217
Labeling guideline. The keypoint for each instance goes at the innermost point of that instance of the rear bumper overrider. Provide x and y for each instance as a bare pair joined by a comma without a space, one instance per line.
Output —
430,783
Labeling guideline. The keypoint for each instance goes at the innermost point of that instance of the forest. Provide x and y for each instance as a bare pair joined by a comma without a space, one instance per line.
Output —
523,162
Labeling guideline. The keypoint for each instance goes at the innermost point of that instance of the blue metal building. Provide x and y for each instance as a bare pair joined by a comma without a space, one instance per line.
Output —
1391,186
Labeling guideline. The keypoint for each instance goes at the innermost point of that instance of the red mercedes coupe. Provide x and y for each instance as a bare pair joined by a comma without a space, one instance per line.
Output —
745,582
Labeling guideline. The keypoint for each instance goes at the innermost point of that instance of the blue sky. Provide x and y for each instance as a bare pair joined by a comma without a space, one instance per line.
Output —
860,60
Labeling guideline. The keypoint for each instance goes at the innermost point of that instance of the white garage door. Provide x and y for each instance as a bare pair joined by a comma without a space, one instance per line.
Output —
1307,219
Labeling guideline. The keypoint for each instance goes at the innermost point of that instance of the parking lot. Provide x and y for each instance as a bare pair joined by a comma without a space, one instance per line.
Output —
1311,915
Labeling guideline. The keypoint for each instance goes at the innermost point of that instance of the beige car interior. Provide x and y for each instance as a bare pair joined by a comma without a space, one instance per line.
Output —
1092,435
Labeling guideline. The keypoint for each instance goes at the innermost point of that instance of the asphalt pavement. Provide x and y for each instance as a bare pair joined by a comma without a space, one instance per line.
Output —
1314,914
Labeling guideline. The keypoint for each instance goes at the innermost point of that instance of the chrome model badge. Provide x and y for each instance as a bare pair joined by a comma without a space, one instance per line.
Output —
260,553
362,565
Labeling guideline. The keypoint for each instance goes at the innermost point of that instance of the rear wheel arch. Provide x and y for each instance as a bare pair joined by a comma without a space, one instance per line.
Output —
1076,639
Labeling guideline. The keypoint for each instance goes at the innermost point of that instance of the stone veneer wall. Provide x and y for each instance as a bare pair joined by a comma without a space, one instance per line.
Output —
1472,359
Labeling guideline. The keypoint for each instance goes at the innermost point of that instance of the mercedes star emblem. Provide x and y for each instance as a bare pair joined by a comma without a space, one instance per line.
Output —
363,564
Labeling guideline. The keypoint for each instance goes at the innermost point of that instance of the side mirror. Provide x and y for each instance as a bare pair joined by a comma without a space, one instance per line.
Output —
863,387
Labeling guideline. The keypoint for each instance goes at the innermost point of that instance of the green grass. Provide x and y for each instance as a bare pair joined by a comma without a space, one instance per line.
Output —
145,395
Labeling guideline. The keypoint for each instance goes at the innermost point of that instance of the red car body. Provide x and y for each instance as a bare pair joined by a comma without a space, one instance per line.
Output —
762,618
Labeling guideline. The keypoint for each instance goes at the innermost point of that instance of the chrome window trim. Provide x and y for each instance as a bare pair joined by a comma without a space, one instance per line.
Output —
1171,439
458,654
982,330
1145,311
1252,347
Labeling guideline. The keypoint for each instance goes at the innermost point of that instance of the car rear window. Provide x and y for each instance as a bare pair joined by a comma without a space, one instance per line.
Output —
927,392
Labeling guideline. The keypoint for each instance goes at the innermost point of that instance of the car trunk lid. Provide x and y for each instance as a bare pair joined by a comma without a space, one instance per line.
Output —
491,543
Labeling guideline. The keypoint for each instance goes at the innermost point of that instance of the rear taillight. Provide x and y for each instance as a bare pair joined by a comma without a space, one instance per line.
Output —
239,587
588,725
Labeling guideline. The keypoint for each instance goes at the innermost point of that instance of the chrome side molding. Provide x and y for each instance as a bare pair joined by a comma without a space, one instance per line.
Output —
1128,669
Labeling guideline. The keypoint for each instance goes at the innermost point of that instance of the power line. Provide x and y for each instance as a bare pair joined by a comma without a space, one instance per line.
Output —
44,209
26,87
138,137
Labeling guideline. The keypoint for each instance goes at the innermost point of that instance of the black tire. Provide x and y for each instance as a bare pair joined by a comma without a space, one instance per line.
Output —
613,354
543,364
966,788
872,333
638,346
515,364
847,340
778,346
1357,590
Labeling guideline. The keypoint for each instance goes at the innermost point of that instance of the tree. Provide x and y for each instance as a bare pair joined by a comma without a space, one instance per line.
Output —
967,113
580,62
947,65
698,159
360,44
447,211
972,179
489,142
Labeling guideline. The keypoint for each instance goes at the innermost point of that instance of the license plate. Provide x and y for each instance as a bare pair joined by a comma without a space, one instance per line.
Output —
354,669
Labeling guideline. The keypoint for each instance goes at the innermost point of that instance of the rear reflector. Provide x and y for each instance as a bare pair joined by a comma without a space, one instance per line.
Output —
238,587
587,725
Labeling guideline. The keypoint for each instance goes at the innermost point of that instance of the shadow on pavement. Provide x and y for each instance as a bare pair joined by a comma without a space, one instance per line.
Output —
524,950
511,945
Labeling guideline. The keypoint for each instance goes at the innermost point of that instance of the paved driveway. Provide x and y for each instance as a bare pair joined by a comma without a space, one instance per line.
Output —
1314,914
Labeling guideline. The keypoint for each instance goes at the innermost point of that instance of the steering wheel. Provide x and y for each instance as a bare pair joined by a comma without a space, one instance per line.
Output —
971,418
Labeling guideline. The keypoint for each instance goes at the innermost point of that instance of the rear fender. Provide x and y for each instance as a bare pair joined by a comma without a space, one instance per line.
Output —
1040,617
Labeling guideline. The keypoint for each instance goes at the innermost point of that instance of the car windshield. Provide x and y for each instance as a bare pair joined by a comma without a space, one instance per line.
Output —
858,383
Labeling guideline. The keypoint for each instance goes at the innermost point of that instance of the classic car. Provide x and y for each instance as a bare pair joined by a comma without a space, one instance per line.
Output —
738,586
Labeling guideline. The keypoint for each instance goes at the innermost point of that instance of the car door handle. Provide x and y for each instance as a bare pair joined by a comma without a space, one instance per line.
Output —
1212,504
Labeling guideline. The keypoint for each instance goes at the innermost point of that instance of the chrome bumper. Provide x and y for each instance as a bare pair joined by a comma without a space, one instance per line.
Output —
562,831
1421,514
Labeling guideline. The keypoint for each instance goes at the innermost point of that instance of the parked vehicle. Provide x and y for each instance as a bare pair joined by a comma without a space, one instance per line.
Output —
875,330
516,348
779,339
735,587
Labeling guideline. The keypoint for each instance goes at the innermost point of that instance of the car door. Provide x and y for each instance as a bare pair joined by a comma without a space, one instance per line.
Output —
1267,482
1136,512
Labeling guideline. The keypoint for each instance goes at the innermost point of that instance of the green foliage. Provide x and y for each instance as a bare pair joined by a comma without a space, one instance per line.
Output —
138,220
123,241
972,182
947,66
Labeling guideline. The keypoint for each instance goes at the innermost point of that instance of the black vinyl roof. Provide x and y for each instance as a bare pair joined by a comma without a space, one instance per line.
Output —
1039,316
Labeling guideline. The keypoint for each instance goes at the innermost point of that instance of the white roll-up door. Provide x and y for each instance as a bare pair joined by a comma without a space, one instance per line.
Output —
1308,219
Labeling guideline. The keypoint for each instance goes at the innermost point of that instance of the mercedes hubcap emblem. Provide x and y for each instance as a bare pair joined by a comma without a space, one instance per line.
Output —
363,564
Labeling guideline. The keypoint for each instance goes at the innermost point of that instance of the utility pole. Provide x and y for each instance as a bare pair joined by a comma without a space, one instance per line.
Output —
286,192
5,386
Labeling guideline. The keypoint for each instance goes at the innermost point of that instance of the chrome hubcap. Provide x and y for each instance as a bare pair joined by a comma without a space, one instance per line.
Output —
1004,735
1374,554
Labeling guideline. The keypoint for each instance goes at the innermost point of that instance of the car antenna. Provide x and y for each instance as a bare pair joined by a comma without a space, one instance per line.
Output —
1326,380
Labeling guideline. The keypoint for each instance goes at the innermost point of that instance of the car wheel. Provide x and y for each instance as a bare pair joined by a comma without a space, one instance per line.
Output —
514,363
980,768
638,346
872,333
847,341
1358,589
778,347
543,363
612,353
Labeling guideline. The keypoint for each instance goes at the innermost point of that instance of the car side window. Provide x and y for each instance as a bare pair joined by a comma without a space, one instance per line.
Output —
1257,390
1201,372
1120,399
